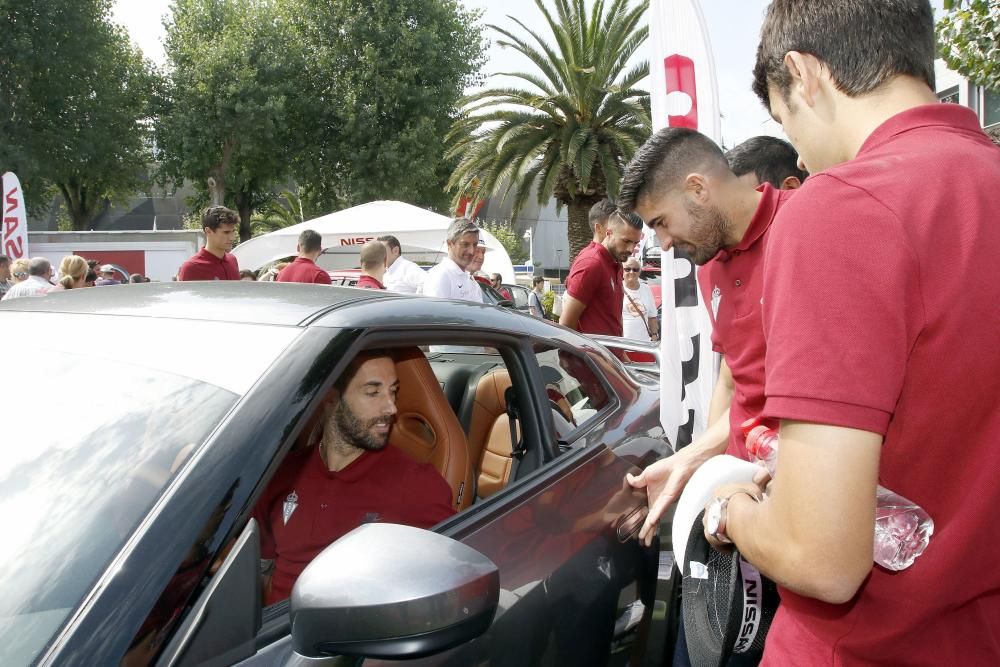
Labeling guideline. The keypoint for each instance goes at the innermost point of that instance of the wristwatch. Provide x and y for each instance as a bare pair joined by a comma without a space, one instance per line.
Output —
717,513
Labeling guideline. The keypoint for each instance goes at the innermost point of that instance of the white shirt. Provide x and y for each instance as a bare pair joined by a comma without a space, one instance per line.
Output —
404,276
447,280
635,317
33,286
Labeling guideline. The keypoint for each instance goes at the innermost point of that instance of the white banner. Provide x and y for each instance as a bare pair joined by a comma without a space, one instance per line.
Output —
14,242
684,93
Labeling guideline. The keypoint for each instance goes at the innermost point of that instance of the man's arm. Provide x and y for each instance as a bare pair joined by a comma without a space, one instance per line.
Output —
722,395
814,533
572,309
665,480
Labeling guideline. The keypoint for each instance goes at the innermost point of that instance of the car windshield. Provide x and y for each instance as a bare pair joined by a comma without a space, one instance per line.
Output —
90,439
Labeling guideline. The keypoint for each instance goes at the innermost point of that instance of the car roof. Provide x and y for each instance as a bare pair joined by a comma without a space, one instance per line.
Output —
289,304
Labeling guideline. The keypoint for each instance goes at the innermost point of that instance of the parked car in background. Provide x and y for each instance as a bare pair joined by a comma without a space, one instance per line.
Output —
127,523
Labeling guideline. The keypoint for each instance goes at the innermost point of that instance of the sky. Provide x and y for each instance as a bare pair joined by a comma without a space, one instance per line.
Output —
733,31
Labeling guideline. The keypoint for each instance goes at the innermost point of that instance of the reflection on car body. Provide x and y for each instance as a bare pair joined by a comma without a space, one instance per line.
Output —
218,382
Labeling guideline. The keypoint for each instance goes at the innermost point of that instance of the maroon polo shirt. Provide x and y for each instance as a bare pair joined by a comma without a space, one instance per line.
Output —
306,507
732,284
206,266
367,282
303,270
595,279
881,296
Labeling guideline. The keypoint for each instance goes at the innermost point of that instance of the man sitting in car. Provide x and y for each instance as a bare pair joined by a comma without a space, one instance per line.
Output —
321,493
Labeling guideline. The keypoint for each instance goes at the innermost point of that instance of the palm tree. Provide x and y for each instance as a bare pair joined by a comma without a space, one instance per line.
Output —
278,213
571,134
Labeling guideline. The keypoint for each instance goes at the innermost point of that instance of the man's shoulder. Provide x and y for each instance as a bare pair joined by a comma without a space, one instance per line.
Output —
411,471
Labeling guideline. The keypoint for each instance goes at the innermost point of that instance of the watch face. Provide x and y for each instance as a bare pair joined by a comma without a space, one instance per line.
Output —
714,517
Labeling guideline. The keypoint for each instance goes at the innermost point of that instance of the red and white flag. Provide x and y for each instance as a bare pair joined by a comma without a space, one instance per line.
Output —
683,93
14,241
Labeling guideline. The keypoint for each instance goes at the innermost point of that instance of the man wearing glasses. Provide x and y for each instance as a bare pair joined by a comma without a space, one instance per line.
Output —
639,306
594,293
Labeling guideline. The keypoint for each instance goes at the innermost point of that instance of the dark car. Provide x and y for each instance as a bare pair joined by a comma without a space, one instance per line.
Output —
519,294
132,466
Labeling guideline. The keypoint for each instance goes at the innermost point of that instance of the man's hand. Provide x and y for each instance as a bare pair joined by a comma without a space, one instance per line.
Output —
664,481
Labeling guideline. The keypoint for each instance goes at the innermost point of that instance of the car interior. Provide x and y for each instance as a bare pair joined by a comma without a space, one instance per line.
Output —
458,410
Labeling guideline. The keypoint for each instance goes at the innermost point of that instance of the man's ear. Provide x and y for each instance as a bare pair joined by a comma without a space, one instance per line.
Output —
696,186
791,183
806,71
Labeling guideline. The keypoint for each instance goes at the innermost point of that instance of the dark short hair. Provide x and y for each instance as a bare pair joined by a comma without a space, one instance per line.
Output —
600,212
390,241
215,216
536,280
310,241
91,276
4,260
136,278
863,43
247,273
345,378
770,159
92,263
664,161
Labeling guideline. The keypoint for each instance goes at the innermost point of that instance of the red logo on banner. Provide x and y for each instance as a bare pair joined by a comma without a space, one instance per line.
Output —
13,246
681,86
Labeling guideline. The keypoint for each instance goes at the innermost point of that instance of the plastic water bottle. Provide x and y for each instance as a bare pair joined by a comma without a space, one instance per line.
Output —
902,528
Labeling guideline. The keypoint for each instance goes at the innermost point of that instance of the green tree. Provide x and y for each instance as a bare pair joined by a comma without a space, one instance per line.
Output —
571,133
969,40
383,83
74,105
504,232
226,118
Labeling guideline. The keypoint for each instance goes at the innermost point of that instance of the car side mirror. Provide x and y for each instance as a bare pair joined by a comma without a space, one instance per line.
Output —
506,303
392,592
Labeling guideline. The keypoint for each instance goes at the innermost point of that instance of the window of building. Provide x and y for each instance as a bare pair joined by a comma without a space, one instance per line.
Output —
991,108
949,95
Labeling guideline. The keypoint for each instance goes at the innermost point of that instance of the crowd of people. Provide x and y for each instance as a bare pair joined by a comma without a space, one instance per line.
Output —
35,277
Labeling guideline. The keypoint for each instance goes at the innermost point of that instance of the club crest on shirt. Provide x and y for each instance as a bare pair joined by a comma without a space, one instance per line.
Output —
291,502
716,300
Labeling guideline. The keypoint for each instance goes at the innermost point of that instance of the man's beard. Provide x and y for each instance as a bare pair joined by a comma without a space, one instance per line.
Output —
708,233
358,432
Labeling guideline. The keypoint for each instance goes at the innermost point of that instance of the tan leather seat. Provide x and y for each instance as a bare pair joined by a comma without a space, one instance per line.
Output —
489,433
427,428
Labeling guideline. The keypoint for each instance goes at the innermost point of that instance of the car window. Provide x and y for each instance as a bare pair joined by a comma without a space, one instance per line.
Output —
574,391
520,295
82,465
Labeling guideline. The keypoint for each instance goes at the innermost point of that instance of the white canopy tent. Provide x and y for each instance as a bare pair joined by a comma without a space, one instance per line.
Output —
421,234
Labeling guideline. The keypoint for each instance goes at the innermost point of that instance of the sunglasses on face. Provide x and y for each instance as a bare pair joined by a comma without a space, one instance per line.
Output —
630,270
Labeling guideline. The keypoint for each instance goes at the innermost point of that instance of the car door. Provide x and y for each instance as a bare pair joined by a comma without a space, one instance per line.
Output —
577,588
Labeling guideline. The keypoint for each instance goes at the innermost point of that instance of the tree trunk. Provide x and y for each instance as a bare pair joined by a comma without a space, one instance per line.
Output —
217,175
243,206
81,204
579,230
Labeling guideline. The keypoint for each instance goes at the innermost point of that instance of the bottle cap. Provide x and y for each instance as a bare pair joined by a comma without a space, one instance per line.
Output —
749,425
